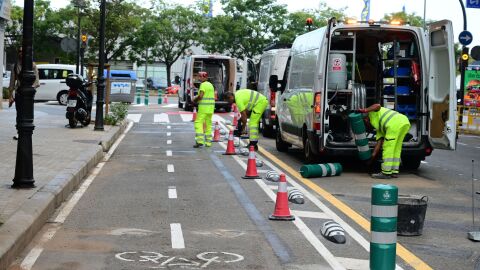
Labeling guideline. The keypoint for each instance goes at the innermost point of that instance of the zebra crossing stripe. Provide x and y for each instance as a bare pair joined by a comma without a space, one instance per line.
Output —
186,117
134,117
161,118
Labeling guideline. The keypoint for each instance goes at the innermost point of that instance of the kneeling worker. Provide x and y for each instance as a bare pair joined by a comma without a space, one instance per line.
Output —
206,107
391,127
249,103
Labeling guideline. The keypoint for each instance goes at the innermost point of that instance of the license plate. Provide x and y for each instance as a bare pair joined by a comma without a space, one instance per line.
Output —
72,103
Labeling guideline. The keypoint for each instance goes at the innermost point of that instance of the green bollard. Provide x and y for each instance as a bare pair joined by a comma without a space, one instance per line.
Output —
137,94
383,227
160,94
321,170
358,128
147,93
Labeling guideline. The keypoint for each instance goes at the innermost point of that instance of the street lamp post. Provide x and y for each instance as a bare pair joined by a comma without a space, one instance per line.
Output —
78,4
101,67
24,105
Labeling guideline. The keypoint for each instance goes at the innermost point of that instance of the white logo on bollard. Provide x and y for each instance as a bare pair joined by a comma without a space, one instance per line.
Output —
386,195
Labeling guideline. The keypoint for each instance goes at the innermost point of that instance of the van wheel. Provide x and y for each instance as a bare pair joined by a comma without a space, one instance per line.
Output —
411,163
279,143
267,130
62,97
308,155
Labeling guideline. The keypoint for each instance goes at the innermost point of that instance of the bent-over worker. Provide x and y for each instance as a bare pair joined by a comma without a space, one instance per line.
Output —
250,104
391,127
206,107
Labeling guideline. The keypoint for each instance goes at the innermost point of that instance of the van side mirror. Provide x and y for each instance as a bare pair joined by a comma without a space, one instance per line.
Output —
273,83
177,79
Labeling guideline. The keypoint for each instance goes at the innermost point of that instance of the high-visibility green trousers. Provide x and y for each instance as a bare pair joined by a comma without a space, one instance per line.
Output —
392,148
203,136
255,117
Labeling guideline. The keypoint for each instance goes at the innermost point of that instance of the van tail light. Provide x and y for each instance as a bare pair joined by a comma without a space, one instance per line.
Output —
317,109
72,93
216,95
428,151
188,83
273,97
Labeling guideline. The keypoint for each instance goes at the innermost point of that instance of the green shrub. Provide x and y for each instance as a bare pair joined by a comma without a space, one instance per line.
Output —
118,112
5,93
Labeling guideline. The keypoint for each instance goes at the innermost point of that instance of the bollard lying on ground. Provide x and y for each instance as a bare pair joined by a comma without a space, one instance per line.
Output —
321,170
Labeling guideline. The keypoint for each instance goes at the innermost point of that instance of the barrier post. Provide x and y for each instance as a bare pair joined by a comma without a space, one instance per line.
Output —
160,94
383,227
147,96
137,94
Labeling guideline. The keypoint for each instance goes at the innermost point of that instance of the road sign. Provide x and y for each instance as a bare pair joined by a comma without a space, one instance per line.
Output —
465,38
473,3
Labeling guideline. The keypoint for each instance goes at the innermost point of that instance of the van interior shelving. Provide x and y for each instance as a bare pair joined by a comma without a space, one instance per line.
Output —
378,67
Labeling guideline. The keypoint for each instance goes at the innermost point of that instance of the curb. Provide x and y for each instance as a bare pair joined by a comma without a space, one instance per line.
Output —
20,228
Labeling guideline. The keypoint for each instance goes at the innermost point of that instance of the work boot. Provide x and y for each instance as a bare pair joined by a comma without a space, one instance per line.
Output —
394,175
381,176
197,145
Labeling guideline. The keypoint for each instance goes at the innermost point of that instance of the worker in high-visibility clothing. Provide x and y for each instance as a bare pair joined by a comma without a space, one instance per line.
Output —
391,128
206,106
250,104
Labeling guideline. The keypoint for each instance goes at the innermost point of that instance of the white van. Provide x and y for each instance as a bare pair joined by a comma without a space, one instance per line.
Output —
343,67
272,63
221,73
52,82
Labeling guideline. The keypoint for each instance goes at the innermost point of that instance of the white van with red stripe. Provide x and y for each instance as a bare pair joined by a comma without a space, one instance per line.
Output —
342,67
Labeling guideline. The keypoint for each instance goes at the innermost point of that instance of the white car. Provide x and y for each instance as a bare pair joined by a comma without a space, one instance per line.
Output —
52,82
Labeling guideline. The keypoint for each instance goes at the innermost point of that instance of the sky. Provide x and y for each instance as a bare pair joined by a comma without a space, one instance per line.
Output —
436,10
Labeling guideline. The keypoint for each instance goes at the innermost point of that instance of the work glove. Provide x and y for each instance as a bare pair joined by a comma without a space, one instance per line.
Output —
362,111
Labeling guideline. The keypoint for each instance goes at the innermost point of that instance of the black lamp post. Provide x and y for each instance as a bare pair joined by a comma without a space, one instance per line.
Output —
101,68
79,4
24,105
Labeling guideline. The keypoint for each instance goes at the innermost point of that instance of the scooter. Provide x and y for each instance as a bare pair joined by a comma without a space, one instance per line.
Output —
79,101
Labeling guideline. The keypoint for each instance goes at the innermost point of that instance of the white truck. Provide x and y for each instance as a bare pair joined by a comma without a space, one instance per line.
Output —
222,73
272,63
346,66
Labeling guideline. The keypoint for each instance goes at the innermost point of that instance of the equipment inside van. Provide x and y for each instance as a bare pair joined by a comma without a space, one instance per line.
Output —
221,73
344,67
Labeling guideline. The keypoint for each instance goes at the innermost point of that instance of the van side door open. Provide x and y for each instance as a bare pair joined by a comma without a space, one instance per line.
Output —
442,91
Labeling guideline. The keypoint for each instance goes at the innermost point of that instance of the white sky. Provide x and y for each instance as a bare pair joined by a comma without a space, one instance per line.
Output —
436,10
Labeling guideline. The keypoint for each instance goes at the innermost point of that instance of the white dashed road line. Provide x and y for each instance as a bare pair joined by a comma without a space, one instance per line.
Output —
169,127
186,117
170,168
172,192
169,153
177,236
464,144
169,141
169,134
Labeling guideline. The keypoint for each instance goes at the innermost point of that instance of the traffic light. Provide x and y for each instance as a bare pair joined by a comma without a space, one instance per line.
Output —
464,57
309,23
84,39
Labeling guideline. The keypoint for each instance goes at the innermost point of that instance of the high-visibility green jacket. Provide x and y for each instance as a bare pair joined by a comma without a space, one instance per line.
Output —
247,99
385,119
207,103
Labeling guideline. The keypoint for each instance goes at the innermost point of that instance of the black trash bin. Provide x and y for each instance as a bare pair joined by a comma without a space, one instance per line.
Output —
411,215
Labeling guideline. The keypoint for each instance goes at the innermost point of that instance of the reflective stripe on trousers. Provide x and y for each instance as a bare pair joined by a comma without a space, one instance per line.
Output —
392,148
255,117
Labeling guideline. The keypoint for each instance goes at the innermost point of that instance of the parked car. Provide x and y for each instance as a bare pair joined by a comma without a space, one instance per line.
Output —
52,82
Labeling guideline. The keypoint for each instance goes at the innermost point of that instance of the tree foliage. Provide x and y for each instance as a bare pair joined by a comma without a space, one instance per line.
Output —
408,18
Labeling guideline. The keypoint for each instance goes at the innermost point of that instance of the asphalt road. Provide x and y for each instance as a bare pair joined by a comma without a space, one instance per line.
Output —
159,203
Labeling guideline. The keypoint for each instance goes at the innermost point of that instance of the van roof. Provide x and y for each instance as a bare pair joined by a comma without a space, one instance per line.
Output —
211,56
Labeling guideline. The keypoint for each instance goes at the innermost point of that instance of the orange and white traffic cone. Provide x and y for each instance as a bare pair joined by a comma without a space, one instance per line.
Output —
194,114
230,145
216,133
282,212
251,172
235,121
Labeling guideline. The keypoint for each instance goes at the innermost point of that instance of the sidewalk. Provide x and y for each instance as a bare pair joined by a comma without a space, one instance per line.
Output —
61,158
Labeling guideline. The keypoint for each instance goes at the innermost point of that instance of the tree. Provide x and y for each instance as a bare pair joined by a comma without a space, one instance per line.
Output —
407,18
295,24
247,27
176,28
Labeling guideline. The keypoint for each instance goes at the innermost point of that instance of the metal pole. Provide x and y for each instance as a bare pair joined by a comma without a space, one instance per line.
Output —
146,96
464,15
78,40
24,105
462,67
101,68
424,14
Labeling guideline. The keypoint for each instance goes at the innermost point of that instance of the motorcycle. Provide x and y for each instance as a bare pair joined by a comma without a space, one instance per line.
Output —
79,101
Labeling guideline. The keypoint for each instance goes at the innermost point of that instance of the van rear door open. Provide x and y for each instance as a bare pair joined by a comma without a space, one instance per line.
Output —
442,90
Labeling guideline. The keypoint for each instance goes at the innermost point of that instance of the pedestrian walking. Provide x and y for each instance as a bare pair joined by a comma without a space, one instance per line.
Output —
251,104
391,128
16,79
206,107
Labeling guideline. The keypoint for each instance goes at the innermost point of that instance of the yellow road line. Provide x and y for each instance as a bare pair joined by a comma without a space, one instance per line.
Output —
402,252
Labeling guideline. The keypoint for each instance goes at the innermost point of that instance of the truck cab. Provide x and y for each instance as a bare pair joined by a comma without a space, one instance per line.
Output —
343,67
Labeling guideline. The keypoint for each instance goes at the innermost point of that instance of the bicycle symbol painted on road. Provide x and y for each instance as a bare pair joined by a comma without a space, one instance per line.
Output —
160,261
